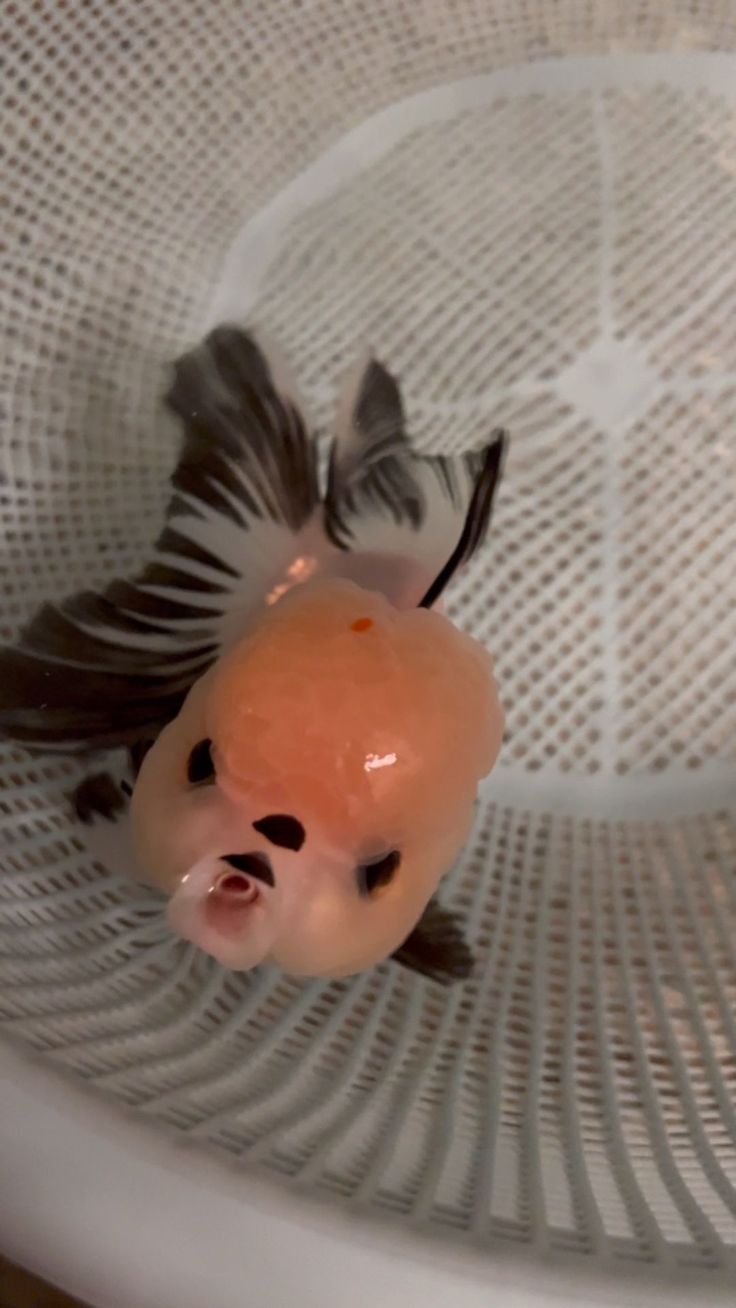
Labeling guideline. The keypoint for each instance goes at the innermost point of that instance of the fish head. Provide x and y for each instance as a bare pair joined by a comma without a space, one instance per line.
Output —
318,782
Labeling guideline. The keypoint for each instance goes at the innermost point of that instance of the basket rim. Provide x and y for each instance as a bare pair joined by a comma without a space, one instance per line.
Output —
113,1170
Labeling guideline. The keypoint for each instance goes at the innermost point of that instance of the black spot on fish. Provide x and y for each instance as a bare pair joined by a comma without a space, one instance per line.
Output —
283,830
252,865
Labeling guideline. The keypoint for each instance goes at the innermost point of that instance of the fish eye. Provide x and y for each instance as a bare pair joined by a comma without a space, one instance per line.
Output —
282,829
200,765
373,876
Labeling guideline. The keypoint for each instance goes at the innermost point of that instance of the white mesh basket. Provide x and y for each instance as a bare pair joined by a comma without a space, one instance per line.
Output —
528,209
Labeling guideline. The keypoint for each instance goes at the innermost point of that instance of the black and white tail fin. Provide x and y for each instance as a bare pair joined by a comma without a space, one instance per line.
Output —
243,524
110,668
385,498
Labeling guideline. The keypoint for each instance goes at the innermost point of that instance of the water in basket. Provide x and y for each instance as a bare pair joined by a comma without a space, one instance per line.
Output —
529,211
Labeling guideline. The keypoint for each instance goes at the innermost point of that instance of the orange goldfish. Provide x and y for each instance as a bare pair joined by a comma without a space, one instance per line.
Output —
306,731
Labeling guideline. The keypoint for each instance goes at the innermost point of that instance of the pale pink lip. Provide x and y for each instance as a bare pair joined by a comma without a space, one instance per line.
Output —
230,901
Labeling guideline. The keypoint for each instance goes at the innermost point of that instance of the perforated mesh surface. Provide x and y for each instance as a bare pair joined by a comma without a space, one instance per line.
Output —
550,248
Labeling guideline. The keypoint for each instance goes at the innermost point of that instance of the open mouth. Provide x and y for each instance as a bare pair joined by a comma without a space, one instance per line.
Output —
228,905
229,902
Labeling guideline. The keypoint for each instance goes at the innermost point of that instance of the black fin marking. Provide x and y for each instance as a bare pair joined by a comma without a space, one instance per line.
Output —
385,497
98,796
437,947
60,702
246,452
172,541
477,519
112,668
368,467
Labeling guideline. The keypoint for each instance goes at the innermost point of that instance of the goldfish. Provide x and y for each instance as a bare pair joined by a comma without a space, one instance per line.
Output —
305,729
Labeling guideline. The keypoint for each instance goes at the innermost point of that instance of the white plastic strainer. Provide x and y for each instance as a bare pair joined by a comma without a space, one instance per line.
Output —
528,209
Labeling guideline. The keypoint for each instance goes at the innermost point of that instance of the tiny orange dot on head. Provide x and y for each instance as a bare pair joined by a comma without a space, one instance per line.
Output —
362,624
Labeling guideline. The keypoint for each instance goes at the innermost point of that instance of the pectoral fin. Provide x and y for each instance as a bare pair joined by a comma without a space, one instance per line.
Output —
437,947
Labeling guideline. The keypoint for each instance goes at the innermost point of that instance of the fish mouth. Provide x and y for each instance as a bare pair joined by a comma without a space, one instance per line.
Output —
229,902
226,911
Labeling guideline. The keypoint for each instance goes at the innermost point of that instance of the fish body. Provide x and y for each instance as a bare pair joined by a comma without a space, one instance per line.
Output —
312,731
